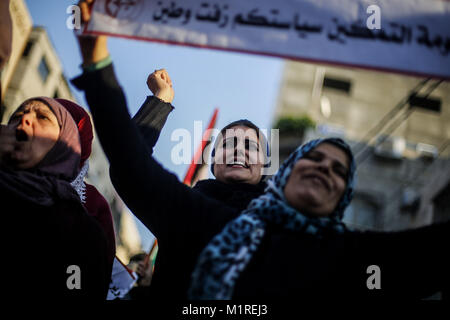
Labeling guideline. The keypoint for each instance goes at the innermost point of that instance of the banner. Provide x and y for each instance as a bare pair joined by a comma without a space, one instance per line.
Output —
405,36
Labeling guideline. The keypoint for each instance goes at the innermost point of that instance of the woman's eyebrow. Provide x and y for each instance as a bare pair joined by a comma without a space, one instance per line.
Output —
316,152
251,141
228,139
45,111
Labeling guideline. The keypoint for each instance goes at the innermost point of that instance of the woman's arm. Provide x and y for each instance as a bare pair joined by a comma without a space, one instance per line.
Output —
413,263
153,114
151,118
155,196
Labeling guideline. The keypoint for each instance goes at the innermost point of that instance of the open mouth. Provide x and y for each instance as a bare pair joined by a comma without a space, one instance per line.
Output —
320,180
21,135
238,164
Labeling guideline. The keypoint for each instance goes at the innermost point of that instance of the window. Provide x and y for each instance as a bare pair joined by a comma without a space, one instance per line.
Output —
28,47
44,71
337,84
425,103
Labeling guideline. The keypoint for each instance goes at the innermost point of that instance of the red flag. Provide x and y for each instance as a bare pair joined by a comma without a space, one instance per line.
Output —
195,163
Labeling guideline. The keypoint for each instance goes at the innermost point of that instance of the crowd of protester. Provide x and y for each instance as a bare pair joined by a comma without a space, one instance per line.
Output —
240,235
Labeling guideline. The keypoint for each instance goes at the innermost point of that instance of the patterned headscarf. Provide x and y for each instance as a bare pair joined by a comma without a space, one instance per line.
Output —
226,256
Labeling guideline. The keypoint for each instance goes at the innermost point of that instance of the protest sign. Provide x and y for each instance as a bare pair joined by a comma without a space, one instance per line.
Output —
405,36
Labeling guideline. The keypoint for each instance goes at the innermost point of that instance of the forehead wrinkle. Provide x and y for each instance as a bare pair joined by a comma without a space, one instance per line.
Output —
333,158
246,139
37,106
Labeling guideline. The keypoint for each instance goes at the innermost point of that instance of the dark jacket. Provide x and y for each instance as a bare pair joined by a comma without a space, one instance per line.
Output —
236,195
44,242
413,263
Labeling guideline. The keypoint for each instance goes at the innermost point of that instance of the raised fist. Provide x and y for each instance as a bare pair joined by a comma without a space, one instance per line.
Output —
160,85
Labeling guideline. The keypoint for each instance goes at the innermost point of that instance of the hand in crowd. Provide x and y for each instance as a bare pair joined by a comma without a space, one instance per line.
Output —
7,141
93,48
160,85
145,273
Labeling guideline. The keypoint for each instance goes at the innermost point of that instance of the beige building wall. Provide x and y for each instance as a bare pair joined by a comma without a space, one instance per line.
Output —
38,73
22,25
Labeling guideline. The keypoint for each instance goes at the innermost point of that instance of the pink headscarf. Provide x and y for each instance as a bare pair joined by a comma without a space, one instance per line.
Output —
50,178
83,122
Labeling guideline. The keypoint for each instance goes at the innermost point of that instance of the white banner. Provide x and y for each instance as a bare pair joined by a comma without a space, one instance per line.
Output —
406,36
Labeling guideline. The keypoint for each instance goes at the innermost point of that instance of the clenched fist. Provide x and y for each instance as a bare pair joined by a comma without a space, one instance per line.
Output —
160,85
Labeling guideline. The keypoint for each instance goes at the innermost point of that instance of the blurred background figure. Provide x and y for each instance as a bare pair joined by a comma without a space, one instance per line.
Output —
5,36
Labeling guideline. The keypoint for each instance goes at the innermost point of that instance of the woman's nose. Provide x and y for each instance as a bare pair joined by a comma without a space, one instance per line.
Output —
239,149
324,166
27,120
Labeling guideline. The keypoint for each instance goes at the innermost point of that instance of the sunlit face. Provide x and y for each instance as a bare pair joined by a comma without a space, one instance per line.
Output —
239,156
318,180
37,131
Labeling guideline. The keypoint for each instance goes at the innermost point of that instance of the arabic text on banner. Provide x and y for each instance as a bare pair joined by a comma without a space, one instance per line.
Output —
414,36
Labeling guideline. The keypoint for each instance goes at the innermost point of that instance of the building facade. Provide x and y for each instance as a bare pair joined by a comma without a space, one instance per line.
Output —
22,25
38,72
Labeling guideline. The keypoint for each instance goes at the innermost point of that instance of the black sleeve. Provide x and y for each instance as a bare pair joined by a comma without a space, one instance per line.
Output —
413,263
165,205
151,118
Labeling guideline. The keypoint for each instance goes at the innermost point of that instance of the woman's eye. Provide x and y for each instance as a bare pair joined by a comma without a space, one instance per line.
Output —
251,146
230,143
227,145
341,173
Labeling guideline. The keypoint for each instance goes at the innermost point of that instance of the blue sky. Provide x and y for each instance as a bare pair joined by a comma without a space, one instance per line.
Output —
240,85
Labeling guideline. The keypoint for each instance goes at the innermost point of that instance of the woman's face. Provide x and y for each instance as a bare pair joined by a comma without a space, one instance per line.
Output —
37,131
318,180
239,157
